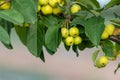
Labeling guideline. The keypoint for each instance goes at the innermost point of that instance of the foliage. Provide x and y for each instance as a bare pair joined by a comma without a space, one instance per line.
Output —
37,27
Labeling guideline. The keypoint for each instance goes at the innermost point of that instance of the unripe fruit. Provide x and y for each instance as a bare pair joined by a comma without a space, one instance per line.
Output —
110,29
5,6
75,8
69,41
64,32
46,10
43,2
39,7
102,62
74,31
104,35
53,2
98,65
26,24
56,11
77,40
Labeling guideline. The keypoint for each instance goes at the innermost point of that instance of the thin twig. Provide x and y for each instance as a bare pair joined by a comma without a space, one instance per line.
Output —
115,39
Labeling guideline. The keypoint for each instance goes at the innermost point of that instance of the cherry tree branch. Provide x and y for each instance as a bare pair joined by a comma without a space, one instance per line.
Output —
115,39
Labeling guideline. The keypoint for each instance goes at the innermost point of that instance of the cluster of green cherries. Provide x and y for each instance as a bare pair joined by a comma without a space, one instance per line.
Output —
48,7
71,36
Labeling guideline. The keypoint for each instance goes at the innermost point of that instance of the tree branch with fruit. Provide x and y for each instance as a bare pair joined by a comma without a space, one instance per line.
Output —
78,24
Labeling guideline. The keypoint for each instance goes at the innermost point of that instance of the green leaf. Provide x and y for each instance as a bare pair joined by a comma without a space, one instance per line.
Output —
50,51
35,39
22,33
108,50
4,37
82,14
116,22
66,47
28,8
41,55
117,47
117,68
94,55
51,38
77,20
9,46
89,4
81,46
49,21
7,26
12,15
94,28
88,44
112,3
75,49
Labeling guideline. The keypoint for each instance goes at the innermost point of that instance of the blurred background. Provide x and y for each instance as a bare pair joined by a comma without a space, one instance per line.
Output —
19,64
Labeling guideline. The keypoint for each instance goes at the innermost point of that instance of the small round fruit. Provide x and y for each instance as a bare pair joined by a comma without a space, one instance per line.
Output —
64,32
103,60
39,7
43,2
104,35
53,2
74,31
69,41
110,29
77,40
75,8
5,6
46,10
26,24
98,65
56,11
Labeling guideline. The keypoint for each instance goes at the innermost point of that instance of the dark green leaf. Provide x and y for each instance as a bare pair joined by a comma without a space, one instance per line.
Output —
75,49
9,46
50,51
35,39
81,46
94,28
22,33
42,56
51,38
7,26
13,16
4,36
108,51
66,47
28,8
117,47
77,20
49,21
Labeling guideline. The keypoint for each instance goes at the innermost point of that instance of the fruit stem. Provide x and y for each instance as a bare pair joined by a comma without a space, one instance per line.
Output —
5,2
115,39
